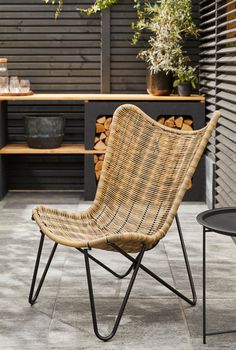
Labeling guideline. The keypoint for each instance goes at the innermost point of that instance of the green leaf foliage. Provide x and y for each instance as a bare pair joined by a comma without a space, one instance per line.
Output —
186,74
170,22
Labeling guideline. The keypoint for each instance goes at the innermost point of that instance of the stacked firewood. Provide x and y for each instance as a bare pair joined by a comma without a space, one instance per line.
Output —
100,142
177,122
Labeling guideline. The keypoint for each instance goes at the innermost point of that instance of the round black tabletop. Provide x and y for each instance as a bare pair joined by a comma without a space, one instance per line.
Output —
222,220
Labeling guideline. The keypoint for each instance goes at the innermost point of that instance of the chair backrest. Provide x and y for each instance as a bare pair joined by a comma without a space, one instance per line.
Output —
146,171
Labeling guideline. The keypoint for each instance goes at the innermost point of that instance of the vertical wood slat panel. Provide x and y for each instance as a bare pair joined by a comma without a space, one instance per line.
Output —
225,101
208,61
218,82
127,71
105,52
207,82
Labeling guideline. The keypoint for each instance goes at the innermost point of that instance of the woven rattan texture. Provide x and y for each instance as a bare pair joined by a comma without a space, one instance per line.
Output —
146,172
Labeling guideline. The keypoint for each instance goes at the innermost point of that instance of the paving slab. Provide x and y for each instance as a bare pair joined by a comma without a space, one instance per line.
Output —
154,318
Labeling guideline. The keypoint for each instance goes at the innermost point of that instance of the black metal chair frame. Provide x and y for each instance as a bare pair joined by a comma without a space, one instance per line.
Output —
135,266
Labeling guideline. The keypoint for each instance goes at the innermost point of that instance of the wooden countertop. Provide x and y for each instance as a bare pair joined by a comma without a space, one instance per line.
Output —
64,149
100,97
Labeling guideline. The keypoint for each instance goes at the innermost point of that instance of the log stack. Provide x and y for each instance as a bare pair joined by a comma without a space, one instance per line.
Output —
177,122
100,142
103,130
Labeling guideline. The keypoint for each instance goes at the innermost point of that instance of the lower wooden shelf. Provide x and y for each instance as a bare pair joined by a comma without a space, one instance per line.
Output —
64,149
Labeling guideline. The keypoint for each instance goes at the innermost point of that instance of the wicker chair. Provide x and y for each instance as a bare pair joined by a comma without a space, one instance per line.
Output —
146,172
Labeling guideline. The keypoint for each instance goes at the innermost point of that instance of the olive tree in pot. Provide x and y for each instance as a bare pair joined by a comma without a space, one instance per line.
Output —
185,80
163,57
169,22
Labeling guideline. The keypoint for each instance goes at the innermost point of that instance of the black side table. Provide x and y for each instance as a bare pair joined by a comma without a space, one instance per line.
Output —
222,221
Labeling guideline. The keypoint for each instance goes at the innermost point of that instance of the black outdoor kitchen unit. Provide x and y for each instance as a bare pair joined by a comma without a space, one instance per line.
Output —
95,106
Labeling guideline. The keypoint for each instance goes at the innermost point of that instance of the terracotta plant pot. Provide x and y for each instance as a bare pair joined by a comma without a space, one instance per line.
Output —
44,132
185,89
159,84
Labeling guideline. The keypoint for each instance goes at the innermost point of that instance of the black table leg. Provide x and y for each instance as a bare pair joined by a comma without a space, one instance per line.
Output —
204,286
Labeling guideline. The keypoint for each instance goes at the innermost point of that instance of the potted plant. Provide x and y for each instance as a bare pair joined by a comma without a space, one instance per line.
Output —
185,80
163,57
170,22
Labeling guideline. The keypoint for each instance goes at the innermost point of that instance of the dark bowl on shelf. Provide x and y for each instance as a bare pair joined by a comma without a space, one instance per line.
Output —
44,131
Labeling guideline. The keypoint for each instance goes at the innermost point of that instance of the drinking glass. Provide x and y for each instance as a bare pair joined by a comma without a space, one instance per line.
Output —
14,85
24,86
4,85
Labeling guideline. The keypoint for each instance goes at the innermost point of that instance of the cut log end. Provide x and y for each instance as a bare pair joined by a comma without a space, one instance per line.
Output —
100,146
186,127
101,120
100,128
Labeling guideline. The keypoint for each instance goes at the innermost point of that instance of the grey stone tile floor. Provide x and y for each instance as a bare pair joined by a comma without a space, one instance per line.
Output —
154,317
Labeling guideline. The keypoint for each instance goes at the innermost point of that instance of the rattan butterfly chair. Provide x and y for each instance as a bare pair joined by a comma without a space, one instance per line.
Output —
146,172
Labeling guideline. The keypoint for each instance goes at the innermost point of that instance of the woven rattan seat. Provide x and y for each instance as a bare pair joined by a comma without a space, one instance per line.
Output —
146,172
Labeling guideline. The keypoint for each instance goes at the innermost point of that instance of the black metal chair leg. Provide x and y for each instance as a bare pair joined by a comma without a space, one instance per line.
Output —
120,276
160,280
204,287
127,272
190,277
33,297
123,305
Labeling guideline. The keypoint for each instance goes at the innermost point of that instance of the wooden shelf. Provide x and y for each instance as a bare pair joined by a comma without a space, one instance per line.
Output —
64,149
101,97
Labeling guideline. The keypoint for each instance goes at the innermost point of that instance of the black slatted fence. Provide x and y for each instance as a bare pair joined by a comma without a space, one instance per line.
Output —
76,53
218,82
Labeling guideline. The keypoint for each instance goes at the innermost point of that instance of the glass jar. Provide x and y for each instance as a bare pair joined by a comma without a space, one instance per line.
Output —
3,76
14,85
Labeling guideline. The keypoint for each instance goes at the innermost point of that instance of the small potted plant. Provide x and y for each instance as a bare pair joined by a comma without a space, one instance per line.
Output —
185,80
